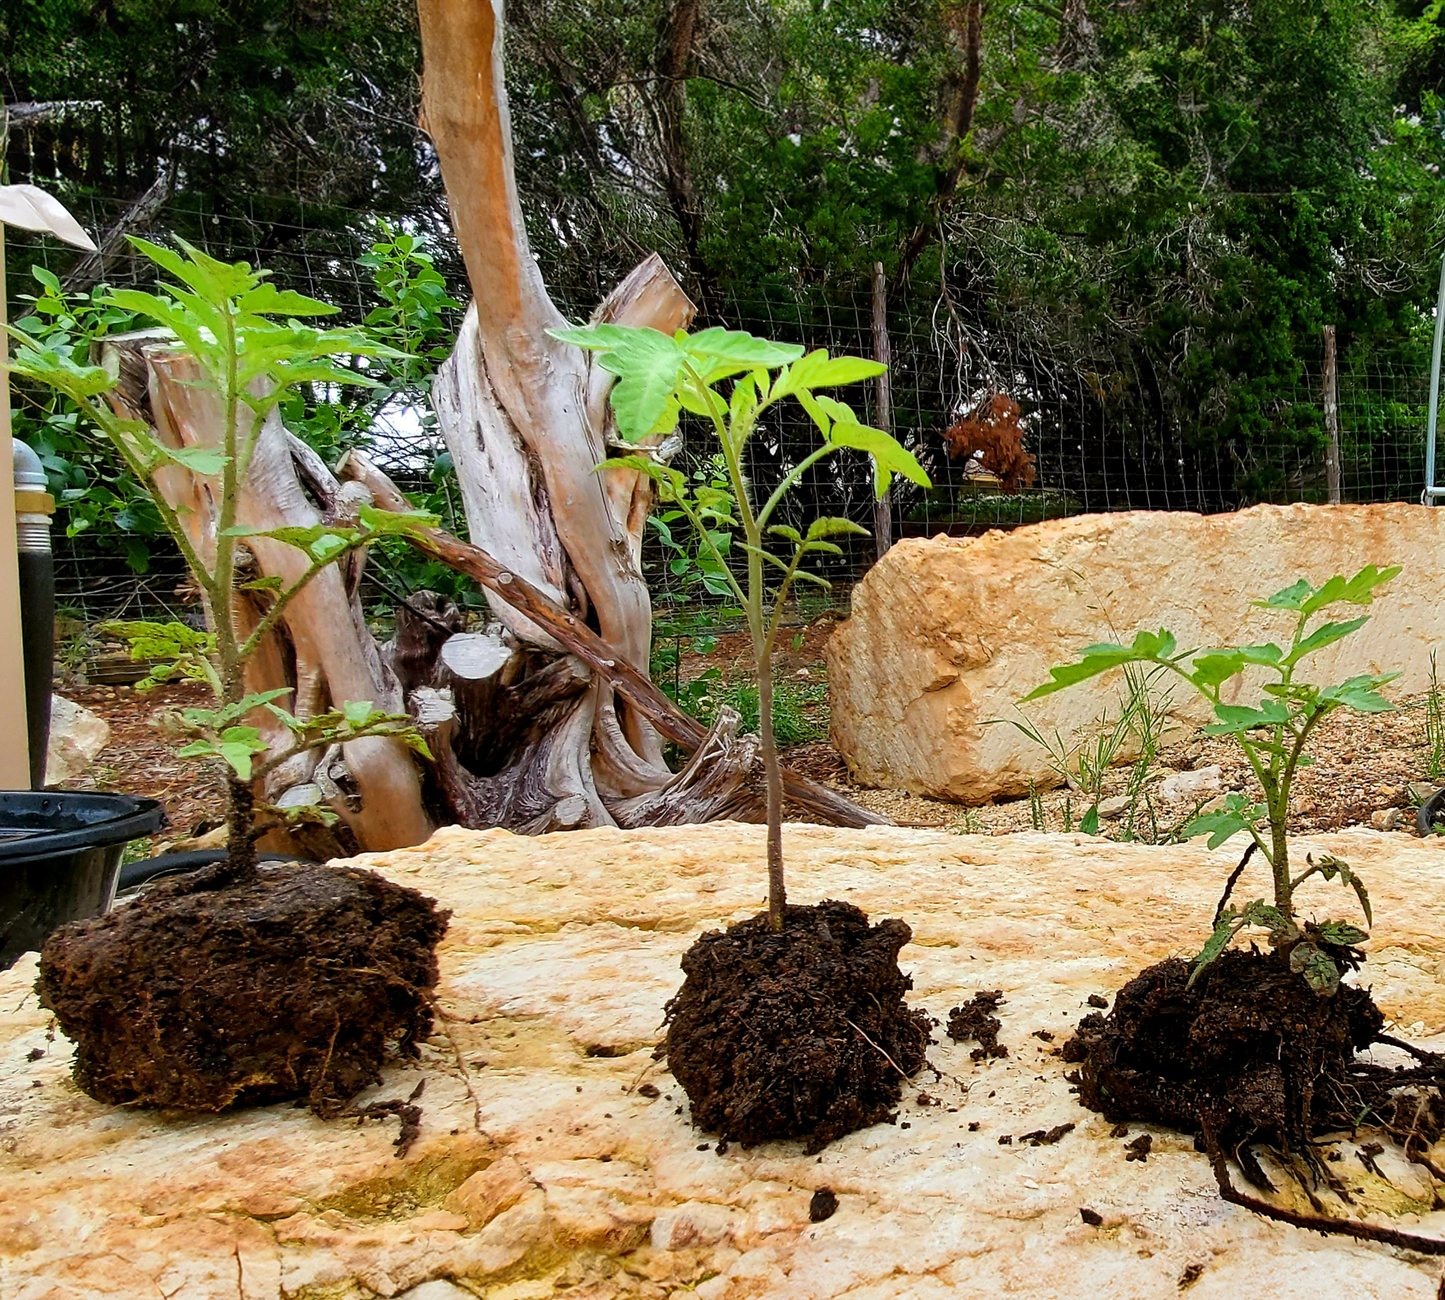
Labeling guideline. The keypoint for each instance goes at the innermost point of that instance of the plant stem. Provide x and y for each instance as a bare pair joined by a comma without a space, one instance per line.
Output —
241,833
777,890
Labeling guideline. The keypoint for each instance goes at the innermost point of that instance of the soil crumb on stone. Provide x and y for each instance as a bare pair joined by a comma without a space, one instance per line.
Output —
803,1033
975,1021
298,984
824,1205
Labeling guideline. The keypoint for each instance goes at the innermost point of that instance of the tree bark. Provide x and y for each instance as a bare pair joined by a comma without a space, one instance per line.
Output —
963,24
1332,418
565,629
527,422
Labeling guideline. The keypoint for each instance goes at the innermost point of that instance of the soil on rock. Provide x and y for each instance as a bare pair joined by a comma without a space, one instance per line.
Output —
1250,1052
298,984
803,1033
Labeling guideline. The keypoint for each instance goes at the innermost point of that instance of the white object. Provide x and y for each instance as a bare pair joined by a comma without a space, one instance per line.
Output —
76,736
1188,787
31,208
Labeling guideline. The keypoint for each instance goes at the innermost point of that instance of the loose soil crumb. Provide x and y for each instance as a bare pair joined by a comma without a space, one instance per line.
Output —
975,1022
1047,1137
824,1205
297,985
803,1033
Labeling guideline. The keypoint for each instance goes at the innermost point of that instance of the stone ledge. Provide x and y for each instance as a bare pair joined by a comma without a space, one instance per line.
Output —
562,951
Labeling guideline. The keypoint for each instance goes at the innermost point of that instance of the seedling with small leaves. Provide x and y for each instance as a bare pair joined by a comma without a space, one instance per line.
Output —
1273,735
659,376
251,349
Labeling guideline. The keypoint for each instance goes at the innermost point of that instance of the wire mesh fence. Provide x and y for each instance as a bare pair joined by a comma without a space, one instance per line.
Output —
1015,423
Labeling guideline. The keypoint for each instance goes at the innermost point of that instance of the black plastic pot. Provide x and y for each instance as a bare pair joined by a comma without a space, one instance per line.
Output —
60,853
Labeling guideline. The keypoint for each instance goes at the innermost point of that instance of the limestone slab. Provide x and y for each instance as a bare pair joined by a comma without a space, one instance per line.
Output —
566,1165
947,634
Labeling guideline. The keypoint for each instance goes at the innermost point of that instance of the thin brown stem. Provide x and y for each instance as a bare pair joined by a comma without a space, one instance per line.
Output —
773,774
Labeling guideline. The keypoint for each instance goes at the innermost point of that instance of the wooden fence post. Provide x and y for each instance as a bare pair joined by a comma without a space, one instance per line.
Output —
1332,418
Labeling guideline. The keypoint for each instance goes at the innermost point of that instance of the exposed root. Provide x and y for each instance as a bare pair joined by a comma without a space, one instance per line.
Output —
1314,1222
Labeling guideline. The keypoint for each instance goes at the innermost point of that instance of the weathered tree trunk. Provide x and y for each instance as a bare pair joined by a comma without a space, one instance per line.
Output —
527,423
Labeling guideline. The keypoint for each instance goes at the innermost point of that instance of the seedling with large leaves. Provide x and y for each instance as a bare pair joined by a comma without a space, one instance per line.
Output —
659,377
251,347
1272,735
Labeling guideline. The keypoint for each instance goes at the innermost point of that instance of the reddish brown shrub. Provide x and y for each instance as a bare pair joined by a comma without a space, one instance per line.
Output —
992,431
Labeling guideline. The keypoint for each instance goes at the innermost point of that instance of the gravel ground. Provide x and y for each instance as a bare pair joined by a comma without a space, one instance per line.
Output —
1363,768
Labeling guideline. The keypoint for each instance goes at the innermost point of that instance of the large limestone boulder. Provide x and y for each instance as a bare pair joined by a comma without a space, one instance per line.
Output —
947,634
563,1163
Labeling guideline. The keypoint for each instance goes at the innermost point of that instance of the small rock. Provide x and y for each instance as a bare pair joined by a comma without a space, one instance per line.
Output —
76,736
1385,819
802,674
1183,787
1217,804
1304,804
1115,806
1421,792
1092,1217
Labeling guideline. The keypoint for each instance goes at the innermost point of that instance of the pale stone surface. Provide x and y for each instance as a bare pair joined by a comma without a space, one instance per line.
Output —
1185,787
76,736
947,634
560,956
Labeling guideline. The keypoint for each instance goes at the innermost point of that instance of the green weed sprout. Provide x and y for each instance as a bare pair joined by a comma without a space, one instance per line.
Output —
251,348
658,377
1273,736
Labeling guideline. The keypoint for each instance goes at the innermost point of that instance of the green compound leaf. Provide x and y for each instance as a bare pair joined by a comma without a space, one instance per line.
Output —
832,526
1214,667
206,461
1342,933
1224,931
1148,647
1361,693
1238,814
647,364
738,348
1234,718
889,455
1326,635
819,370
1319,971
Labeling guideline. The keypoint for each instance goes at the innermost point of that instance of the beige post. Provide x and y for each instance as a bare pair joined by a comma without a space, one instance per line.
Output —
14,753
33,209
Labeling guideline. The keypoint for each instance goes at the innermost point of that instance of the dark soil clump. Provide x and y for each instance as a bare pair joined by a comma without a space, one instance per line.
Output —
803,1033
1251,1051
975,1021
297,984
